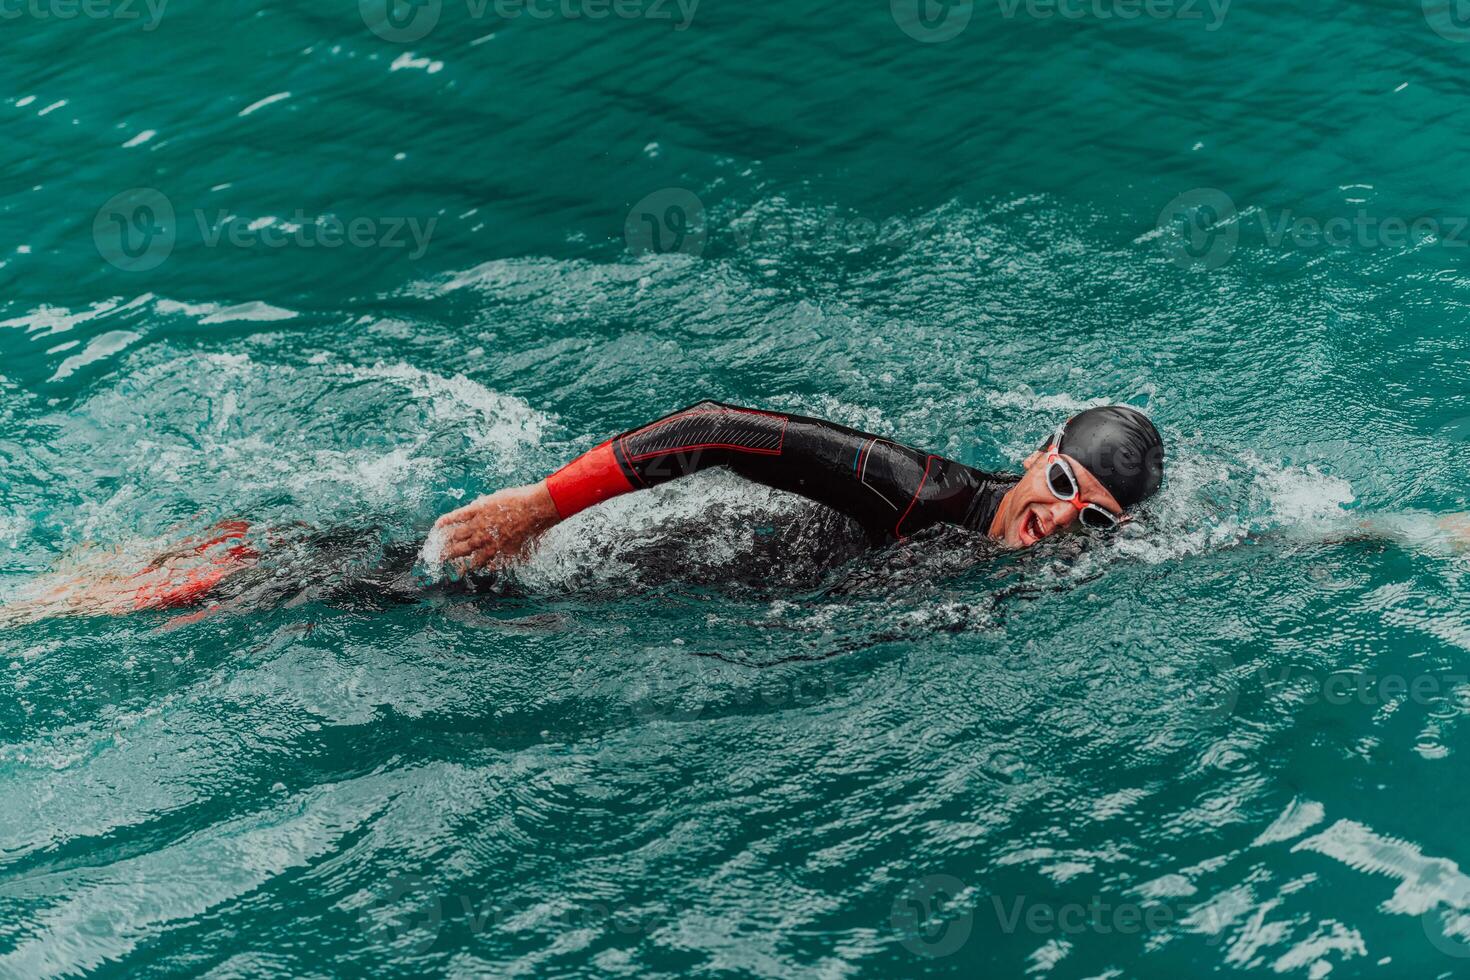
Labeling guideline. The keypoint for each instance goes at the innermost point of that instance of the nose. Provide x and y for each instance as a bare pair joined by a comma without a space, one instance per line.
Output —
1061,514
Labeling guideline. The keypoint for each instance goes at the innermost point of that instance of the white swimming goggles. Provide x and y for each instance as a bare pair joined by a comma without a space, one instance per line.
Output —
1064,485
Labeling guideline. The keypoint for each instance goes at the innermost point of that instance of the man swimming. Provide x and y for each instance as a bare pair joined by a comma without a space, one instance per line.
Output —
1087,473
1091,469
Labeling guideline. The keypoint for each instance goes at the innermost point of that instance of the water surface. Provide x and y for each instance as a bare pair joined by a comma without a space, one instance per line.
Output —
699,733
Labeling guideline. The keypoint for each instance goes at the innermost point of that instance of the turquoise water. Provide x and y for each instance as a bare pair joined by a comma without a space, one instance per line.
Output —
310,262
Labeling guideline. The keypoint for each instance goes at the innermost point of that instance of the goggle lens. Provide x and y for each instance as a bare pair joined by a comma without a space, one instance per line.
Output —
1063,485
1059,479
1097,519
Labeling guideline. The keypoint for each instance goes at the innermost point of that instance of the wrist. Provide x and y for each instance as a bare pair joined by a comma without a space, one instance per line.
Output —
589,479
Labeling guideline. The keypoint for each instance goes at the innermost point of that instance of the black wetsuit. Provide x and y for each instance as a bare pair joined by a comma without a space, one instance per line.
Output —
889,490
892,491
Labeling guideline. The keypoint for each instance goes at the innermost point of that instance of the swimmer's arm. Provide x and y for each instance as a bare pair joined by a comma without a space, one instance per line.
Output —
891,490
1419,530
498,529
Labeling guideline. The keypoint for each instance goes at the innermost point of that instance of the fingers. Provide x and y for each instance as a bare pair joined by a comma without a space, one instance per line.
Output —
467,531
470,539
464,548
456,516
461,514
475,552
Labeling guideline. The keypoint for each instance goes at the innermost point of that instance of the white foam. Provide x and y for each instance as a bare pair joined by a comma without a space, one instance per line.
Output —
408,60
1301,494
1424,882
509,422
210,313
101,346
1210,501
225,426
431,556
262,103
1299,816
58,319
1027,399
589,544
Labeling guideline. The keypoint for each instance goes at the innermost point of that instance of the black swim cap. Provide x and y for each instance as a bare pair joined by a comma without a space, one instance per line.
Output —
1119,446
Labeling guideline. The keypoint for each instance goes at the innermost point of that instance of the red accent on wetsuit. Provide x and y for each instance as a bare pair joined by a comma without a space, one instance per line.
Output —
195,583
589,479
898,528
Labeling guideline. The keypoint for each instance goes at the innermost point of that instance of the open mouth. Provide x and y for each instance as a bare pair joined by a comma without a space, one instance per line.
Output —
1033,526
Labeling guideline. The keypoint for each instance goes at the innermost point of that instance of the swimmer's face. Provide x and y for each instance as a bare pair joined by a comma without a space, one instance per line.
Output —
1030,511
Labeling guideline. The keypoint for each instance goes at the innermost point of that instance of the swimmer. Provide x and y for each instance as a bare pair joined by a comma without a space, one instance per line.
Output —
1087,474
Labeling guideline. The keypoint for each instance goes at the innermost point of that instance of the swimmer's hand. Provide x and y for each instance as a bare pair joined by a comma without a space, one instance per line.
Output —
496,530
1457,526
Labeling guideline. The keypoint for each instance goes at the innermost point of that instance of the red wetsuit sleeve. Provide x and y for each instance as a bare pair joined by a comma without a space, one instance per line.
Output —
589,479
